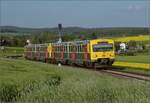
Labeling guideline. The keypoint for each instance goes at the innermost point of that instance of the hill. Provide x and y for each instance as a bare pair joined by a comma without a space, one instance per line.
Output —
110,31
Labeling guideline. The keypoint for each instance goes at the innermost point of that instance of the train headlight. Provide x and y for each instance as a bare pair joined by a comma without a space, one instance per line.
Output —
94,56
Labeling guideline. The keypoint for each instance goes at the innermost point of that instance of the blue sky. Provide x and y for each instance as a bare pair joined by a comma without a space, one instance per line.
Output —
83,13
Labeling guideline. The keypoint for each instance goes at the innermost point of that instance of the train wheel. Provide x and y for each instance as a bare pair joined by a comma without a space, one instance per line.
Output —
85,64
110,63
67,62
93,66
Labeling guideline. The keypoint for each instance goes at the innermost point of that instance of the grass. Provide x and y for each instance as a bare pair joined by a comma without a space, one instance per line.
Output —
134,59
136,64
140,71
27,81
11,51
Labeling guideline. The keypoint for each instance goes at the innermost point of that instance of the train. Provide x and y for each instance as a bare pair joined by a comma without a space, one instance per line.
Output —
89,53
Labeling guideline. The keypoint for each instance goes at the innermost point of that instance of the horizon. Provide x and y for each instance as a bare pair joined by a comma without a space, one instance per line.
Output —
66,27
84,14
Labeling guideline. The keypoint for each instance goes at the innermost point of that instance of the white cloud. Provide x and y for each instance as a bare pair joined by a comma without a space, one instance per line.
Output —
134,7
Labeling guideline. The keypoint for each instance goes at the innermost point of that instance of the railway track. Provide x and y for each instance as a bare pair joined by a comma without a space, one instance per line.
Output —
116,72
127,75
119,73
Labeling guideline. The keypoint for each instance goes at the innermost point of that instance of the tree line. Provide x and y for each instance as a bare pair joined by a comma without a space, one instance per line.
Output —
49,37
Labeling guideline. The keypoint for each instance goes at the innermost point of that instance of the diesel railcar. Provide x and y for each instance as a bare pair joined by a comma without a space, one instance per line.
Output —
90,53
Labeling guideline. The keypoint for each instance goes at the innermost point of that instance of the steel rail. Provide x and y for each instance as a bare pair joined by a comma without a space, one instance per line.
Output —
129,75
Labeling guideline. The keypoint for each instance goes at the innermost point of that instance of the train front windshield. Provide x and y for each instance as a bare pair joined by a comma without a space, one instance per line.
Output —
102,47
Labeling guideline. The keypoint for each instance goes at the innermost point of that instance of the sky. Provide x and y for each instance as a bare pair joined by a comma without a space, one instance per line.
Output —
81,13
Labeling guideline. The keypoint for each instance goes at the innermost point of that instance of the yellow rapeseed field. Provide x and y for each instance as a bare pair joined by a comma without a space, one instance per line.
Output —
133,65
135,38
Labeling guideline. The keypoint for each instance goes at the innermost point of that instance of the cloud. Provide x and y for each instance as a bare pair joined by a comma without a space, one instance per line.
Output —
134,7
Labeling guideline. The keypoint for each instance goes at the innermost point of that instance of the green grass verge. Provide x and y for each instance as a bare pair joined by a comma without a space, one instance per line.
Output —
27,81
133,70
11,51
136,59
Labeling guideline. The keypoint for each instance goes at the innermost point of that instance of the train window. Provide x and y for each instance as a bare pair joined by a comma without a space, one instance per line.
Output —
55,48
71,48
75,48
58,48
68,48
62,48
79,48
37,48
65,48
102,47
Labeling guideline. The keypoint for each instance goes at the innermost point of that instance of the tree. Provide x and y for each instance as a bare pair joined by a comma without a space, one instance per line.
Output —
132,44
94,36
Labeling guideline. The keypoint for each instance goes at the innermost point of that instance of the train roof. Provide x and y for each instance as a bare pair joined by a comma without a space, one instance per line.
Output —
66,43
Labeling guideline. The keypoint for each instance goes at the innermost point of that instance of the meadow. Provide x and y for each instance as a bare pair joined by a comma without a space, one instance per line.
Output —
136,64
141,58
26,81
9,51
135,38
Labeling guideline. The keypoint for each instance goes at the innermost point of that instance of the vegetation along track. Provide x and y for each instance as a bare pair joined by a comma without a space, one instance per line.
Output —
117,72
126,74
114,71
